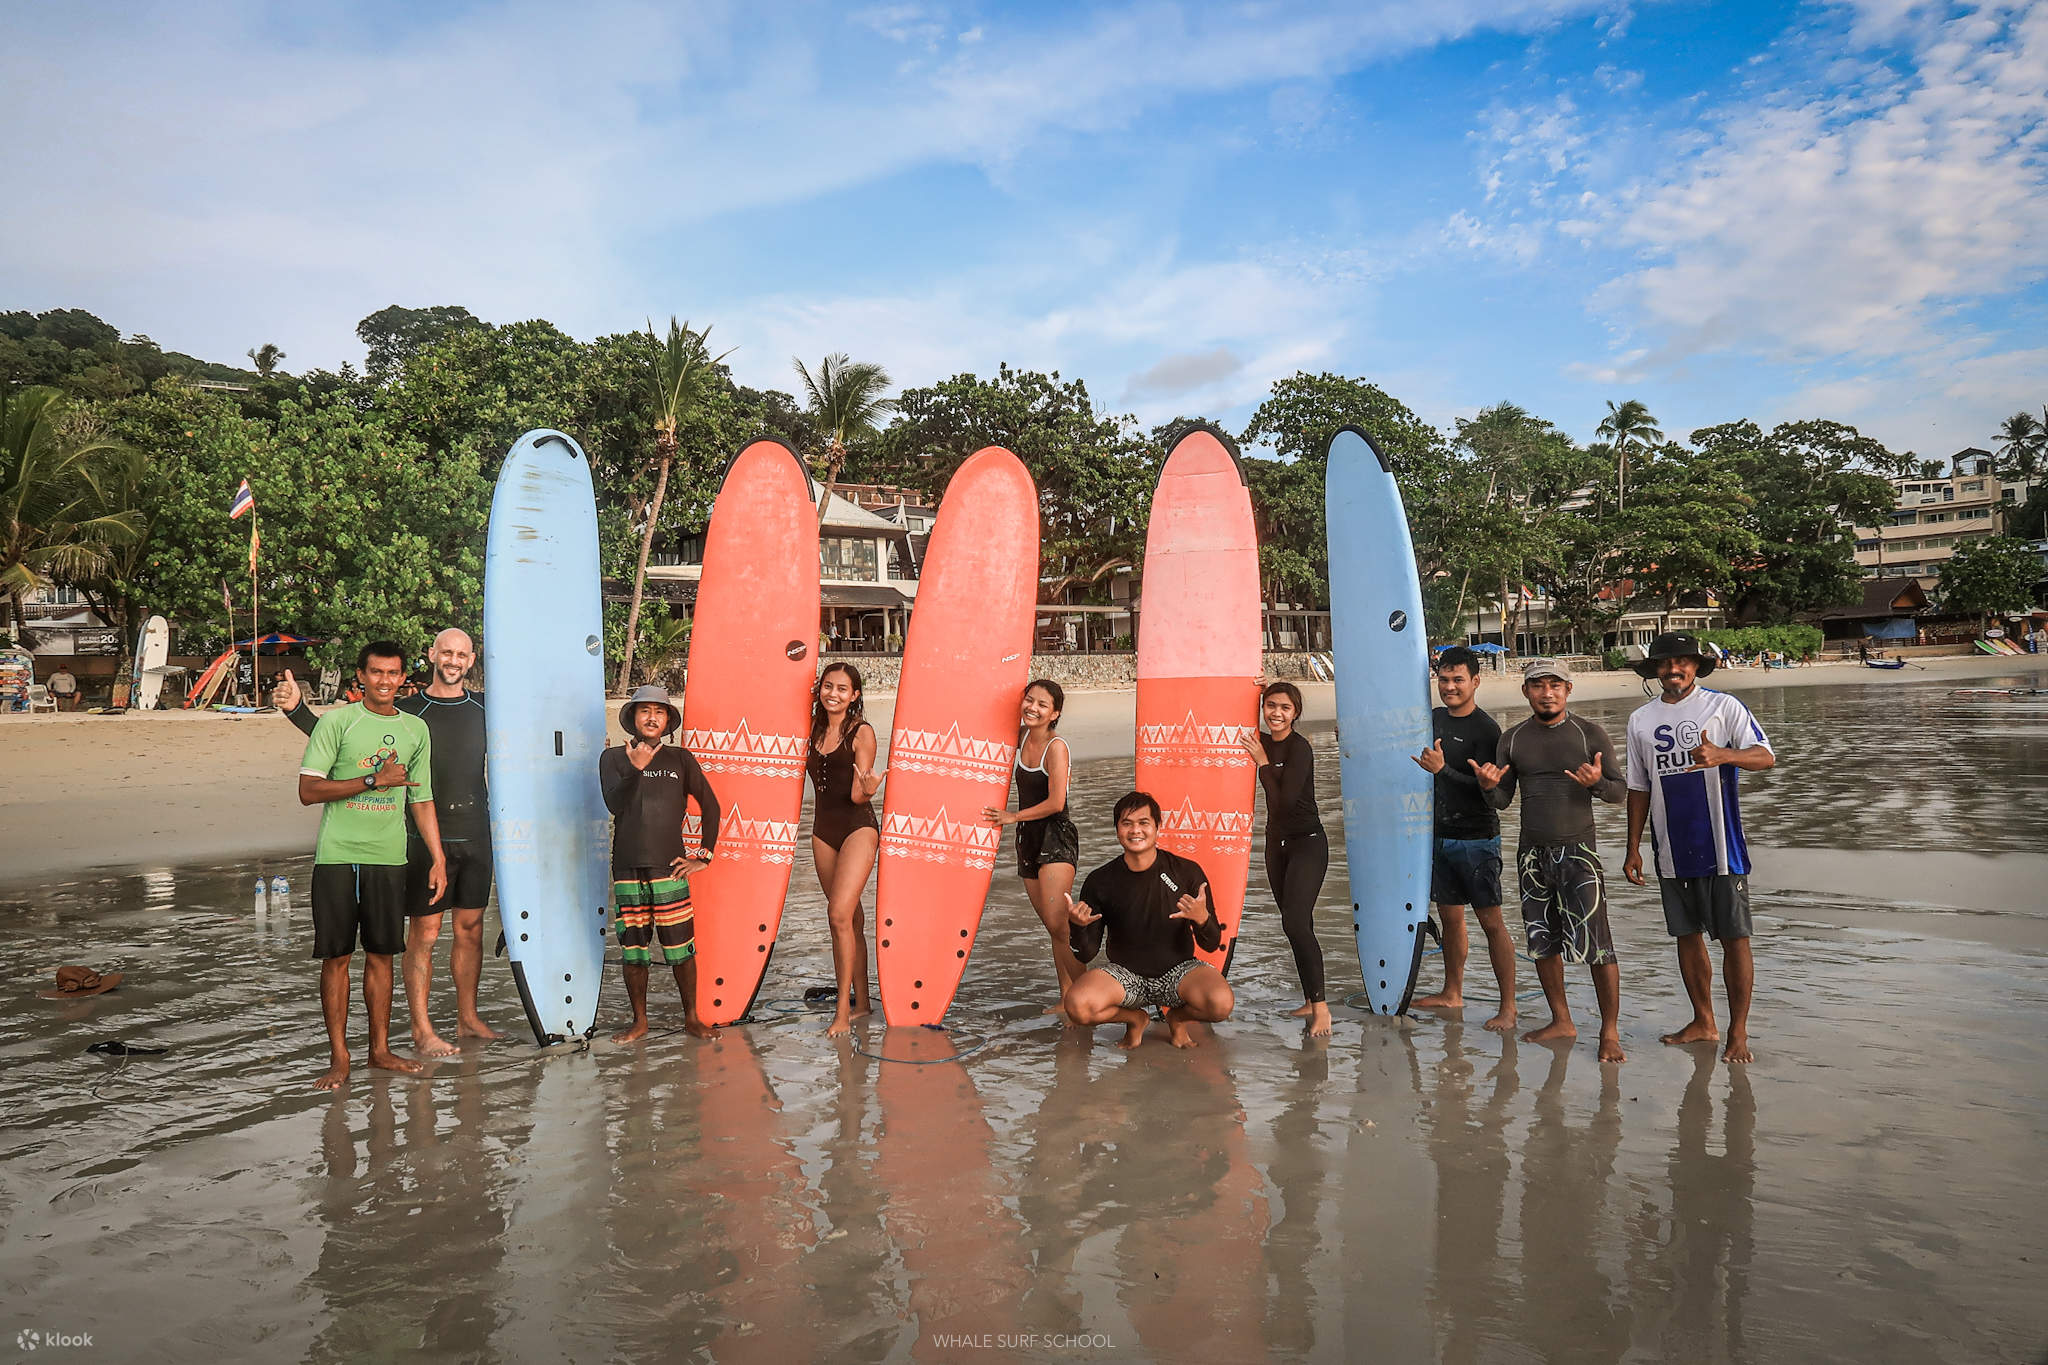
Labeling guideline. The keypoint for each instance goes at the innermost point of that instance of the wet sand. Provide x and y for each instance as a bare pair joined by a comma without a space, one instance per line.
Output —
1868,1190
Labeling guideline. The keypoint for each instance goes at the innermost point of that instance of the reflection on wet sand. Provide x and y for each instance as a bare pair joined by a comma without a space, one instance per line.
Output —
1471,1297
1298,1167
1571,1215
948,1210
1385,1209
1694,1284
1061,1190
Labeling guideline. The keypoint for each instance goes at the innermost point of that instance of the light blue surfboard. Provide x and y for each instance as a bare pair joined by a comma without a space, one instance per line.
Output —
544,729
1382,667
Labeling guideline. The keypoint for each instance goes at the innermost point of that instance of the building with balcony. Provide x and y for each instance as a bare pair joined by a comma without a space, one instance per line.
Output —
1933,515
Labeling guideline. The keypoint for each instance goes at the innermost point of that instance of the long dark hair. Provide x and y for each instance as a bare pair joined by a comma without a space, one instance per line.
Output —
1058,695
854,711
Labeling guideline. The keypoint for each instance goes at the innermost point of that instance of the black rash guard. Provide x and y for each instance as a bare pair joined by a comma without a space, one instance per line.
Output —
462,802
1289,777
648,805
1462,811
1539,759
1136,910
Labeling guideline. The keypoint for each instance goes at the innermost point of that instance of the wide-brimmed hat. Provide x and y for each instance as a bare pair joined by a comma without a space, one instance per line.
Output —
74,982
1675,646
649,694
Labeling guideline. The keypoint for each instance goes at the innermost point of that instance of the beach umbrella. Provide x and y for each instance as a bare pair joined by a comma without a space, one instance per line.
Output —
1488,648
276,642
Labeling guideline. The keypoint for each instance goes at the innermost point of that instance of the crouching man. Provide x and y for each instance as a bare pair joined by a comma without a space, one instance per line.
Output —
1154,908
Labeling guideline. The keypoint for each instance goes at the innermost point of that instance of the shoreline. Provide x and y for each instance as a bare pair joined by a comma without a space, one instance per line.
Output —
102,794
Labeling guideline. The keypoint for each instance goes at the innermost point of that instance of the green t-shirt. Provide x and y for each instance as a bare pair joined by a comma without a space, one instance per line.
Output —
350,743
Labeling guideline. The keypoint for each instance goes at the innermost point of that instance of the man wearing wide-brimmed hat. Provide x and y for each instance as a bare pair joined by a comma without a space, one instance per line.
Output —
648,786
1686,752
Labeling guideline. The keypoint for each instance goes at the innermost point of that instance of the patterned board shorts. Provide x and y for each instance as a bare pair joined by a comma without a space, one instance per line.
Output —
1564,903
654,909
1151,992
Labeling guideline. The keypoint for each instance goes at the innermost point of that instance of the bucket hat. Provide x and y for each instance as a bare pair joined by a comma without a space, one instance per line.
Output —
1675,646
649,694
76,982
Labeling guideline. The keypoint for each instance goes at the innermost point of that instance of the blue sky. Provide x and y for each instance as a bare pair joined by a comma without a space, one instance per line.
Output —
1774,211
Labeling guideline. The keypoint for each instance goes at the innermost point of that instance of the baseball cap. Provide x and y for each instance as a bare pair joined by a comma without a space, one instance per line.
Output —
1546,668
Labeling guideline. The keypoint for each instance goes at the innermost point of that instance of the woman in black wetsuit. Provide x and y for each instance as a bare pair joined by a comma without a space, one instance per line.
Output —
1297,853
844,831
1047,844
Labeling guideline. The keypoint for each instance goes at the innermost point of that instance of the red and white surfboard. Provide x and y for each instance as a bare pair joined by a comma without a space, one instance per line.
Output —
954,732
1199,666
747,712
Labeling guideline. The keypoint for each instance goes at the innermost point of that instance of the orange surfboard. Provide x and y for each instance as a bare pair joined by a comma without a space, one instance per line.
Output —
954,732
747,713
1199,665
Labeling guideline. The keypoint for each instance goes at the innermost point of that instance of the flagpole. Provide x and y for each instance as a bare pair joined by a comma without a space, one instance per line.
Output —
255,628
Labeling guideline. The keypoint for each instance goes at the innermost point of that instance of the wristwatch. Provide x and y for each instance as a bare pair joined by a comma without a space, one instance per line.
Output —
370,782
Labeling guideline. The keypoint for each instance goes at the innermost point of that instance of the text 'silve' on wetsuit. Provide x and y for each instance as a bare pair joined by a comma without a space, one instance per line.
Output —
1297,853
835,814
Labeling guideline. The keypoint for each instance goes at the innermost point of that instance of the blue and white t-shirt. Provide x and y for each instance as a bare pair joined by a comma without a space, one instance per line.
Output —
1695,823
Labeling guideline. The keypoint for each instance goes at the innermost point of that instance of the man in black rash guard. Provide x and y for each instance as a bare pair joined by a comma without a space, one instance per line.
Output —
648,786
1154,906
1297,852
1465,860
455,719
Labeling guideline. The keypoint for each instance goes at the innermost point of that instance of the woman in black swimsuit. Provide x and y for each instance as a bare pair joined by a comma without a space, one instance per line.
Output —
1047,844
1297,851
844,831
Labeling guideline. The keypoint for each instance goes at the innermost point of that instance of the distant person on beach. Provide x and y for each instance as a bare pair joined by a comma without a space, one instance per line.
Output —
1465,863
1048,845
63,686
1297,850
454,716
1154,907
648,786
844,832
368,765
1561,762
1686,754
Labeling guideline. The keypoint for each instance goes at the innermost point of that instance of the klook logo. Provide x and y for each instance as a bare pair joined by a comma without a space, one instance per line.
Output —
31,1339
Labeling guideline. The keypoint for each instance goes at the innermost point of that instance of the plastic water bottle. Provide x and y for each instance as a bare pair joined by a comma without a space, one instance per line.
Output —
262,906
280,895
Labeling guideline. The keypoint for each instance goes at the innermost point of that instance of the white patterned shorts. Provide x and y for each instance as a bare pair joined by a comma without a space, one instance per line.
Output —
1151,992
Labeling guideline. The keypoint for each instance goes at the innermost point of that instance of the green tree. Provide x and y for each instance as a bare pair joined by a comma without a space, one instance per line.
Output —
265,358
1808,492
60,496
393,336
1991,576
1535,476
2022,443
677,370
845,398
485,387
1627,426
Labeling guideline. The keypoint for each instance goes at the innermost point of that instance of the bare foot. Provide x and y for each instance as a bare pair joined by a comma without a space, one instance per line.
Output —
1442,1000
1134,1034
861,1011
1180,1033
334,1078
1318,1019
391,1061
1610,1049
1305,1011
432,1044
1556,1031
1738,1048
477,1028
697,1028
841,1025
1698,1031
1504,1022
632,1034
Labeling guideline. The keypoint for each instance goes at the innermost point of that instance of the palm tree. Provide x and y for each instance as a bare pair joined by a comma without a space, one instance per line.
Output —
266,357
2023,442
1629,424
676,372
59,509
846,398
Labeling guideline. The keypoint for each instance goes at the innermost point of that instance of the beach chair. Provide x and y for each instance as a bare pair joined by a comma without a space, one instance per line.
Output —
39,699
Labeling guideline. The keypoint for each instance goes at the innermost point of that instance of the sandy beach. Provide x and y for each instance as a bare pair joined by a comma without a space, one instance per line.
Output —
158,788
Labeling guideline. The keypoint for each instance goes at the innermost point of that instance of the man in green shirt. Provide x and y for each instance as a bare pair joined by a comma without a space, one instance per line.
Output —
365,762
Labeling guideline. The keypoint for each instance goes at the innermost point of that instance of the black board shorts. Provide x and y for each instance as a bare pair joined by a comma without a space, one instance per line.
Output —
469,876
1050,840
1716,905
358,898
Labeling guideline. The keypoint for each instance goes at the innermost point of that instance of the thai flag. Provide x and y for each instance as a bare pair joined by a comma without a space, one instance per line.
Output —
244,501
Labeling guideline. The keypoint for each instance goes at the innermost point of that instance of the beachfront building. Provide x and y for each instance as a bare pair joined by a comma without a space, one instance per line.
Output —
1524,625
867,572
1933,514
1891,612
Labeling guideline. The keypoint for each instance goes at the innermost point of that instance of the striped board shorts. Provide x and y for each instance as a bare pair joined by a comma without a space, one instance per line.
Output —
654,907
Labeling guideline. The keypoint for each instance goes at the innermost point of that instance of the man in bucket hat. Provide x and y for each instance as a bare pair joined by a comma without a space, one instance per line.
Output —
1686,752
647,787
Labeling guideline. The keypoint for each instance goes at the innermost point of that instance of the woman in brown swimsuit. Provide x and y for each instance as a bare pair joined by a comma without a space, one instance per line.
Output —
844,831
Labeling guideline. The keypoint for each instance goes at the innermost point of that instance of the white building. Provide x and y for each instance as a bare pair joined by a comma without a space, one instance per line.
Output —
1934,515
